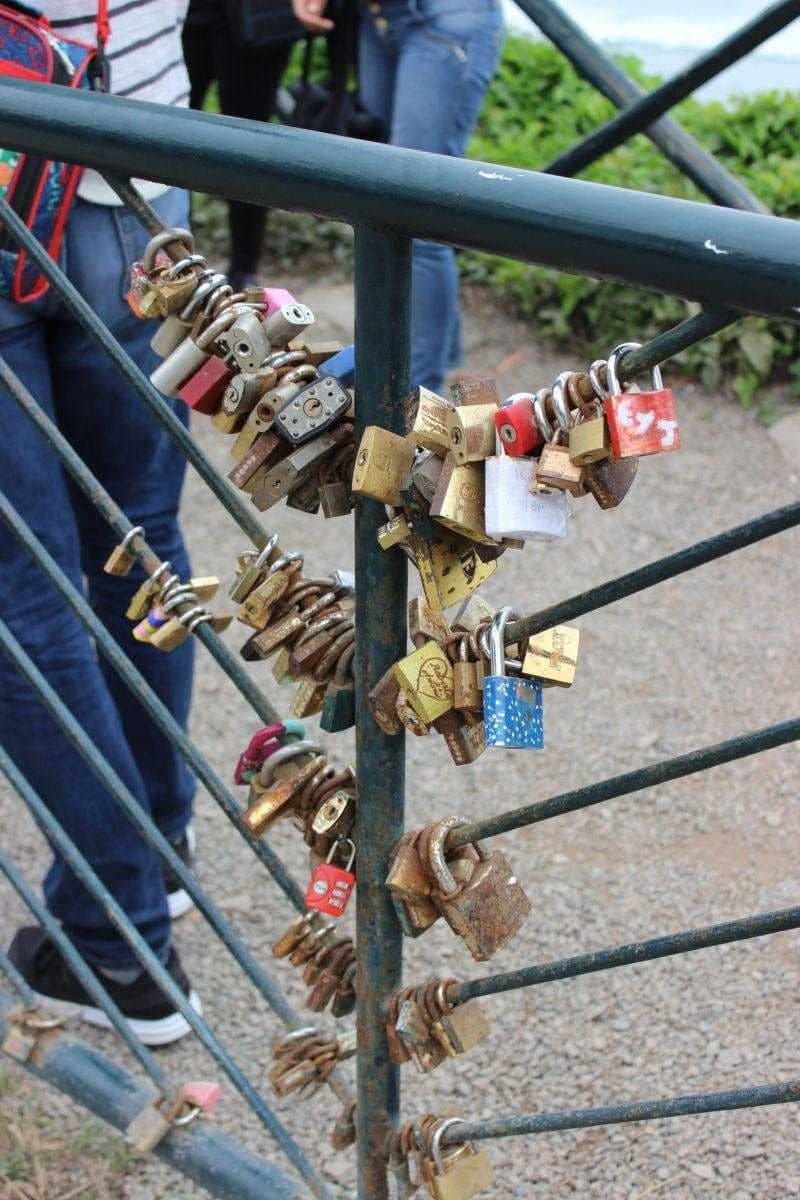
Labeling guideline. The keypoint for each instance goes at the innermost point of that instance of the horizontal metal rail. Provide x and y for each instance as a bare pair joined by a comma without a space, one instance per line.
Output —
629,955
696,555
672,341
649,241
618,1114
94,885
679,147
633,781
211,1158
78,966
652,106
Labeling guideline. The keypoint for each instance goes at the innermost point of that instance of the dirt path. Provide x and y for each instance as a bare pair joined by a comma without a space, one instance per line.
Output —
687,663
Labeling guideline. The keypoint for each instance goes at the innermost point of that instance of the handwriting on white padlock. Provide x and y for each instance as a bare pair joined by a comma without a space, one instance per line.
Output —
511,510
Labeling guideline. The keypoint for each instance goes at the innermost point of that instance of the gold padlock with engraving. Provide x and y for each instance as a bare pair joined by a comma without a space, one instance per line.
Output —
472,432
429,426
382,464
458,502
426,676
552,656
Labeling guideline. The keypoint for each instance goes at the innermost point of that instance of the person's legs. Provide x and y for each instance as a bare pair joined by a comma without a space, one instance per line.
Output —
199,57
248,84
448,54
32,480
121,442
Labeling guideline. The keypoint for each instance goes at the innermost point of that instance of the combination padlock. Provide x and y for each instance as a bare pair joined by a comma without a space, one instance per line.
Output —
512,708
639,422
331,887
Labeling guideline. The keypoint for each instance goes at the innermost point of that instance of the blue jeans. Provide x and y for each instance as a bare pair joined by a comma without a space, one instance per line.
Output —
424,67
116,435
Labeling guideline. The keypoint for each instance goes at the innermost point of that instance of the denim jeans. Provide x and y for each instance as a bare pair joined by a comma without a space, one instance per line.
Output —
424,67
115,433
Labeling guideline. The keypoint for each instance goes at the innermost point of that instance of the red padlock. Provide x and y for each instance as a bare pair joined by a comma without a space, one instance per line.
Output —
639,422
516,427
204,390
331,887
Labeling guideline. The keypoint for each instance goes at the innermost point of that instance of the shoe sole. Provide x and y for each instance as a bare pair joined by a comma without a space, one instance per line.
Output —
161,1032
179,904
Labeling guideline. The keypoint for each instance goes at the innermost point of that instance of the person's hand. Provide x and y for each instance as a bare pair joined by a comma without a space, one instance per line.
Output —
310,14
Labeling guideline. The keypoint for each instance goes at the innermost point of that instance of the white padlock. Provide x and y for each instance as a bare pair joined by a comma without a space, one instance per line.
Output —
511,510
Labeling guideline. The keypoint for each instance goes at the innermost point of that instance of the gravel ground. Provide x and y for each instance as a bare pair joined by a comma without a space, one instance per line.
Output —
690,662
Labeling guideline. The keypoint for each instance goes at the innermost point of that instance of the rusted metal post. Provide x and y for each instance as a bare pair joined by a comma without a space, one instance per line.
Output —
383,288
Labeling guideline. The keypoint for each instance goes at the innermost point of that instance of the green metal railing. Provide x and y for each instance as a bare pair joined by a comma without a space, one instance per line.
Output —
390,196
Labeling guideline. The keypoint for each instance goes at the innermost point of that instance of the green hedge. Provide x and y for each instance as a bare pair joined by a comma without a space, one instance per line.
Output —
537,107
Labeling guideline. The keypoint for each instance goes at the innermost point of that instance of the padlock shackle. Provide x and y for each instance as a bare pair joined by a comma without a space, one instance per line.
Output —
436,1140
286,754
614,359
162,239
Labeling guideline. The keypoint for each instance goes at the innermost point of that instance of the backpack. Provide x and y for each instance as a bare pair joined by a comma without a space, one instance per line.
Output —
39,190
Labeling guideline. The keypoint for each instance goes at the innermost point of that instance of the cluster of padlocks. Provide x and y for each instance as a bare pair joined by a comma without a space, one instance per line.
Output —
470,478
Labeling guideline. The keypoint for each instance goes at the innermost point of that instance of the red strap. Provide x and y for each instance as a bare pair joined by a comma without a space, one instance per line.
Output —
103,24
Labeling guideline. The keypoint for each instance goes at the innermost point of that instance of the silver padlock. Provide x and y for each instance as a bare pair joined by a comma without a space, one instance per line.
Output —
287,322
190,355
511,509
312,410
247,341
171,332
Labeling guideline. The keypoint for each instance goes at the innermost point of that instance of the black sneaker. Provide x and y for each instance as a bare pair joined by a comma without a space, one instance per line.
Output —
179,900
150,1014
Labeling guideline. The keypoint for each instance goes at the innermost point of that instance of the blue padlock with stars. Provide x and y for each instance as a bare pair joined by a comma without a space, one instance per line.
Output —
512,707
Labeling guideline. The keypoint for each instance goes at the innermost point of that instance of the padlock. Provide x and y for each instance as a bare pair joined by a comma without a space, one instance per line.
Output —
458,502
516,428
203,391
341,366
552,656
169,335
456,570
263,743
287,322
610,480
336,814
414,1031
515,509
472,614
381,700
426,676
465,739
274,298
331,887
190,355
308,699
255,611
426,473
555,468
250,471
639,422
462,1028
426,623
122,558
428,424
171,288
141,600
247,341
383,461
466,693
472,432
253,570
588,438
292,470
314,409
458,1173
474,389
269,800
339,704
487,910
512,708
394,532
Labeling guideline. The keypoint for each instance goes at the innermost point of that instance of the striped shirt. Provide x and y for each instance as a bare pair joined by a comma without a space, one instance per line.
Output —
144,53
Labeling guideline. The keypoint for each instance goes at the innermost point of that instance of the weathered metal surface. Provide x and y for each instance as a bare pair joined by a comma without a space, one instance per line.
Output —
642,113
616,1114
383,290
696,555
633,781
634,952
214,1160
649,241
678,146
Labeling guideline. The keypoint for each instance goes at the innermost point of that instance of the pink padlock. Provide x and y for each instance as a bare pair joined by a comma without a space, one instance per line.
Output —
275,298
202,1094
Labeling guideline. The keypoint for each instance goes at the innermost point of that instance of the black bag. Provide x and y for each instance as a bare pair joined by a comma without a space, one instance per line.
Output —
263,24
333,106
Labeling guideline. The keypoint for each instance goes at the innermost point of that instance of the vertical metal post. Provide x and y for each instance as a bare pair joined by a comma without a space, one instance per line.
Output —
383,295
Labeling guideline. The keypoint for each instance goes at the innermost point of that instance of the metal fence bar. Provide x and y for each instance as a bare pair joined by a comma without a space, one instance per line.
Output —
116,518
652,106
617,1114
696,555
158,973
78,965
672,341
111,781
656,242
148,698
83,313
629,955
633,781
18,982
675,143
383,296
199,1151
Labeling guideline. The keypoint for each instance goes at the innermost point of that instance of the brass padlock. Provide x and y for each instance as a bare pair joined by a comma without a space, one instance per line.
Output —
383,461
458,502
457,569
426,676
382,699
474,389
458,1173
426,623
552,656
428,428
122,558
462,1028
556,469
466,693
472,432
465,740
588,438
